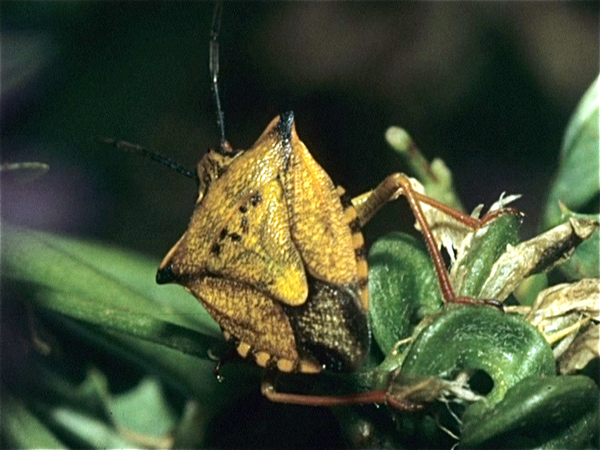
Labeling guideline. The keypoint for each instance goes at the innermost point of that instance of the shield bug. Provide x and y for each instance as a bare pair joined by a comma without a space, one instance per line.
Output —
274,252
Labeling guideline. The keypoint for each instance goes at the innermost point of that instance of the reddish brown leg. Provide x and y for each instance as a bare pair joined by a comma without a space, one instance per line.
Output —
360,398
398,184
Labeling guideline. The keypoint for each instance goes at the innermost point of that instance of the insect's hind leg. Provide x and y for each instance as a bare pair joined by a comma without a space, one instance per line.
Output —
360,398
398,184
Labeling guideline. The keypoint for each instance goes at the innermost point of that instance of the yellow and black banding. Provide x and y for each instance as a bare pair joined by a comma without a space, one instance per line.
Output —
358,242
265,359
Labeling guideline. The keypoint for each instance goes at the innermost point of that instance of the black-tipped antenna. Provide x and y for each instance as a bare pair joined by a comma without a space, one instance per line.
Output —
213,67
126,146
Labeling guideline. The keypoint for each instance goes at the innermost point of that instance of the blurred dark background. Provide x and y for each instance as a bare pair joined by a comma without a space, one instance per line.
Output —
488,87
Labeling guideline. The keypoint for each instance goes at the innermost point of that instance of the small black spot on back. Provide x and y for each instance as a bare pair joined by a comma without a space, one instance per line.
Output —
223,234
256,199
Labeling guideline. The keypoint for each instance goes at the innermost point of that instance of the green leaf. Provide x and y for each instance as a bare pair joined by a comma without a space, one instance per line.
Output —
551,412
403,287
87,431
21,428
48,386
108,296
194,375
577,182
106,287
473,338
470,272
144,410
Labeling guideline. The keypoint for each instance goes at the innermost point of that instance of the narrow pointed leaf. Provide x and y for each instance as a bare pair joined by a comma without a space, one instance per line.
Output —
21,428
104,287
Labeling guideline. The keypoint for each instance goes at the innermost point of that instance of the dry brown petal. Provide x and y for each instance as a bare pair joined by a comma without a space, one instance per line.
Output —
585,348
536,255
569,299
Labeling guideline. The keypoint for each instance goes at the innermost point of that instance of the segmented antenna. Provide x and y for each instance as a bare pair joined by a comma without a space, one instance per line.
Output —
224,147
213,67
138,149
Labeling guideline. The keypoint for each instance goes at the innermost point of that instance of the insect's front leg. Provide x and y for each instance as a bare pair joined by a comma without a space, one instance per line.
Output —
398,184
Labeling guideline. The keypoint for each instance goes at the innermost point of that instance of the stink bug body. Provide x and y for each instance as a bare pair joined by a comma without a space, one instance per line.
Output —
276,256
274,252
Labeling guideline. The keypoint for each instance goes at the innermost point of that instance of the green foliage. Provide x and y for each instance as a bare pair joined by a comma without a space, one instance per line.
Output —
105,287
539,412
469,340
105,296
403,288
577,183
473,338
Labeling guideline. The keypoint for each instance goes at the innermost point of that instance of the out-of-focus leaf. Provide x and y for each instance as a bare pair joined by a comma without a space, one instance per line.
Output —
81,413
551,412
109,298
23,172
87,431
21,428
584,349
577,182
190,373
469,338
140,416
90,397
403,288
106,287
144,412
191,430
535,255
436,177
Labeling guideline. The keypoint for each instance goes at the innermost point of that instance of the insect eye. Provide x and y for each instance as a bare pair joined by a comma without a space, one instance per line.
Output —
210,168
